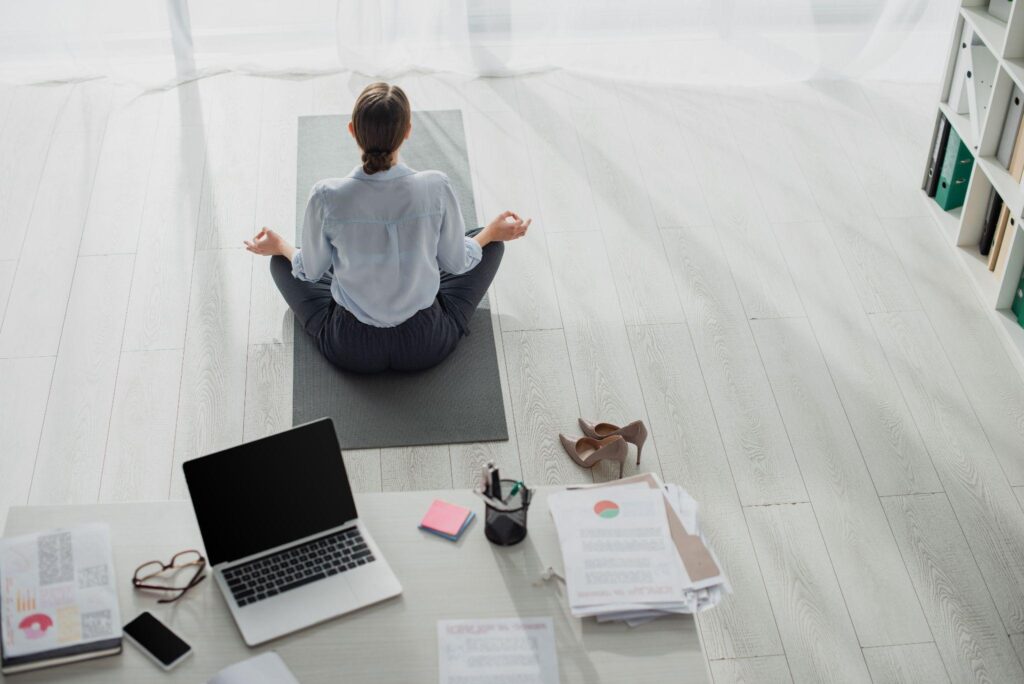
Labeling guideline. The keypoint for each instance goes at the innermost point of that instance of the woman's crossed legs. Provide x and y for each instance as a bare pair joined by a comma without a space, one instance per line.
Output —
458,295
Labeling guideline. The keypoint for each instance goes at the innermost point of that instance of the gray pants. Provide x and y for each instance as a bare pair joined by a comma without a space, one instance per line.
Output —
424,340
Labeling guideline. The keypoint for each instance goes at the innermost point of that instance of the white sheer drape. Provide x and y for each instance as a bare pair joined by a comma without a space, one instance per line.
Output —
158,42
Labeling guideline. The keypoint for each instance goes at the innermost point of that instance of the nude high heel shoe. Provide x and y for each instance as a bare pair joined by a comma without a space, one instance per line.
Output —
635,433
587,451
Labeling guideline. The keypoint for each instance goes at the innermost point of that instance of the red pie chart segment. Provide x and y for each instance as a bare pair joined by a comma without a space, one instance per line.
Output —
34,626
606,509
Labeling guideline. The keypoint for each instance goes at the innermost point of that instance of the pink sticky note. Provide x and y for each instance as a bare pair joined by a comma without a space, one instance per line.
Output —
445,518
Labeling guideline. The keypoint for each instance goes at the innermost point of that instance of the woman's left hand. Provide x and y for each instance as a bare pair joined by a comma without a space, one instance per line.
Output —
269,243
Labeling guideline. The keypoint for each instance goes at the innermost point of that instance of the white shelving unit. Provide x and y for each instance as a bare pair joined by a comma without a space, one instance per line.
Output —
962,226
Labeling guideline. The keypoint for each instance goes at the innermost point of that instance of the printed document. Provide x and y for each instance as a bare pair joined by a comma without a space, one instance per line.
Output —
57,590
266,668
497,651
617,548
635,559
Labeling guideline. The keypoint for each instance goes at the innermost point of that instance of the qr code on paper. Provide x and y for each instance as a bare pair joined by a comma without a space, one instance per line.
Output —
56,558
94,576
96,624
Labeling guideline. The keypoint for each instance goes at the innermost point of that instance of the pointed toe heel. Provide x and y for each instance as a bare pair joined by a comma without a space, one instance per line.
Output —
635,433
587,451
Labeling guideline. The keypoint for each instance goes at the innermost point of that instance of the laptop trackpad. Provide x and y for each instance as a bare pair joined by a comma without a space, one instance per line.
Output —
343,598
295,609
318,601
372,584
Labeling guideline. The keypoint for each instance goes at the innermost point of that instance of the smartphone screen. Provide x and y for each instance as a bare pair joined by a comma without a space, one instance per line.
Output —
156,639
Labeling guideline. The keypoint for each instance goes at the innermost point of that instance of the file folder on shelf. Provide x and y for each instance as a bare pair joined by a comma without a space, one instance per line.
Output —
1017,158
1018,300
931,181
1011,126
988,229
957,100
997,241
1000,9
980,78
1004,249
955,172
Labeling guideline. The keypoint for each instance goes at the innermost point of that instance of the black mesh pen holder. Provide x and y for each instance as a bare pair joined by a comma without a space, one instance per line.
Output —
505,524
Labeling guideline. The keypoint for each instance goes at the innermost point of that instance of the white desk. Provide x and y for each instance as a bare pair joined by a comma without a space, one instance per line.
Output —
394,641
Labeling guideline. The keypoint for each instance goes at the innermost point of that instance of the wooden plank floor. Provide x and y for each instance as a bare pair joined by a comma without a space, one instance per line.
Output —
752,272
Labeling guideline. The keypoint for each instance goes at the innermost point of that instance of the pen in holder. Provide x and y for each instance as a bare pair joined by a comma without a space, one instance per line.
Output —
505,519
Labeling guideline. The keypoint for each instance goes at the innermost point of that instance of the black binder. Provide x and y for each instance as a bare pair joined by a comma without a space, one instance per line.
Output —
988,229
931,184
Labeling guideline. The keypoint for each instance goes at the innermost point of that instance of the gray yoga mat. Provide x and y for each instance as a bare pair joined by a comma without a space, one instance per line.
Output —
456,401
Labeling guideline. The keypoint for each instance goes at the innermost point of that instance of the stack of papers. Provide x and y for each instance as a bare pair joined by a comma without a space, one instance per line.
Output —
633,551
447,520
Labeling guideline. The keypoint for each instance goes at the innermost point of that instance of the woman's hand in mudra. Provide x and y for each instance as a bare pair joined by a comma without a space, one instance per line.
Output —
507,226
269,243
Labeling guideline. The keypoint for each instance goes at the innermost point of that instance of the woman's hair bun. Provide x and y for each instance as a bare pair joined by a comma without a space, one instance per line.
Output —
376,160
380,119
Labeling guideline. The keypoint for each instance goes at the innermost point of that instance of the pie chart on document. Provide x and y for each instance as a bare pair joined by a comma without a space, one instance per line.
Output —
606,509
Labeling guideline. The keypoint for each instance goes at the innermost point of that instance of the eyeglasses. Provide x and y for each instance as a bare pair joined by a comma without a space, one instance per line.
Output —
171,577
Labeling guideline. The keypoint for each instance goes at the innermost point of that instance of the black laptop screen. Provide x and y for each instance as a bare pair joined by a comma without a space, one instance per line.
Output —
269,492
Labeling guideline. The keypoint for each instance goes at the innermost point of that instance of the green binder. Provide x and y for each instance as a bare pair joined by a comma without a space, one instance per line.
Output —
1018,300
956,171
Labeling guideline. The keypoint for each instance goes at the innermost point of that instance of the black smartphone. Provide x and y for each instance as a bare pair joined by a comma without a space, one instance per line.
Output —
156,640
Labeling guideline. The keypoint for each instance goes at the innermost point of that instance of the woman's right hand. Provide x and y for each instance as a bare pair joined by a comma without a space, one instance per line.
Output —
268,243
507,226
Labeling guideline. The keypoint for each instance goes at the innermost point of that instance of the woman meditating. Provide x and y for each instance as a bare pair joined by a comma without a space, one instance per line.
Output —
386,277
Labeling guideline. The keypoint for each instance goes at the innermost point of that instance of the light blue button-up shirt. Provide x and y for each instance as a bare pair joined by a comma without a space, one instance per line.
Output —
387,235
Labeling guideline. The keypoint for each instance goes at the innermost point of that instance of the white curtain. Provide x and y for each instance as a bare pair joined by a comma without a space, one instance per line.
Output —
155,43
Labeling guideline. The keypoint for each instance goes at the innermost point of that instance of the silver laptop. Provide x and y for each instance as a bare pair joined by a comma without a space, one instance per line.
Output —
282,535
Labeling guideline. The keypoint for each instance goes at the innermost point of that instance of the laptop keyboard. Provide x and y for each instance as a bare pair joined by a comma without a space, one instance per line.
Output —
297,565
